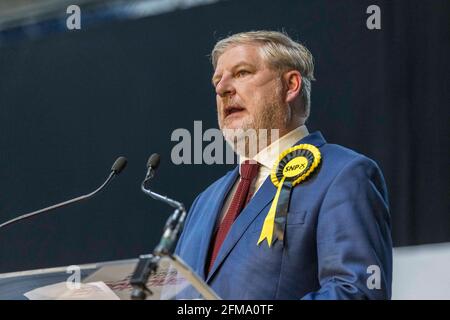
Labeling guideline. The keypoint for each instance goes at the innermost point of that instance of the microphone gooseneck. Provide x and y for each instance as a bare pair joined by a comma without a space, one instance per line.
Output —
117,167
148,264
152,165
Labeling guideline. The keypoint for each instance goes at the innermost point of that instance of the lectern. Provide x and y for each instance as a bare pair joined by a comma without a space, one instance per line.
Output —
168,282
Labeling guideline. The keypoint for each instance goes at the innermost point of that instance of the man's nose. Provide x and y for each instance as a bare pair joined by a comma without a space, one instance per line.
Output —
225,87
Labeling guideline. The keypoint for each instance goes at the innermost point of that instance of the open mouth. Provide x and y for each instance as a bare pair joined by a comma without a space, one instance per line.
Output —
231,110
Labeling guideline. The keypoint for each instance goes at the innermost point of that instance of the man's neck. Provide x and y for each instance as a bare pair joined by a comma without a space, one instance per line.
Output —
277,146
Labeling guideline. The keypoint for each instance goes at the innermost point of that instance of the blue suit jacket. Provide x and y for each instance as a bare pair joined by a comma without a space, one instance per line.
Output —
337,243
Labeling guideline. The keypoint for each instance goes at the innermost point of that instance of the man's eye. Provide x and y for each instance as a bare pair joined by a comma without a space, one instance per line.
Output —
242,73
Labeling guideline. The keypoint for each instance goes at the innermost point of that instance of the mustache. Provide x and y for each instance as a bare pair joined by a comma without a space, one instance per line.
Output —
231,101
230,106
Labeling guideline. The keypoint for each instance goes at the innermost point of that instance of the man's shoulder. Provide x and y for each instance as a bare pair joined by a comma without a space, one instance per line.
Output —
347,166
338,156
334,156
340,161
208,199
213,188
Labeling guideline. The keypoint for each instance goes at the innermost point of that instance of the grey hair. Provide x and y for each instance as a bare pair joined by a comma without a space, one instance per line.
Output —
280,51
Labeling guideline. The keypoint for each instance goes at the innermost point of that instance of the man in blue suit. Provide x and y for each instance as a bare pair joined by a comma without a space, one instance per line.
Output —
335,240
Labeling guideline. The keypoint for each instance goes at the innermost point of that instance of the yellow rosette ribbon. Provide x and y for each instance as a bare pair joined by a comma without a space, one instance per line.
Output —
293,166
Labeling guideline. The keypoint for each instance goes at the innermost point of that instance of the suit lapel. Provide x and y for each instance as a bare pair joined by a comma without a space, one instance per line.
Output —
260,200
211,217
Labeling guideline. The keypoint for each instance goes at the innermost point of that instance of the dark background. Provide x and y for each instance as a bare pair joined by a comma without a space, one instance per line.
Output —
71,102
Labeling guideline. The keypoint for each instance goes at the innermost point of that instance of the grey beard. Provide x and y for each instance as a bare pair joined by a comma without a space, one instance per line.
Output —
248,142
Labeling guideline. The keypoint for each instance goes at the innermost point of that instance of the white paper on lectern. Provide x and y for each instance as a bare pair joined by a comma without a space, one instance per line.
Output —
164,284
62,291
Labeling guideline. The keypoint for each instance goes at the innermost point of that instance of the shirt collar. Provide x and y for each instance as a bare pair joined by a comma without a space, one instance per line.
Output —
269,155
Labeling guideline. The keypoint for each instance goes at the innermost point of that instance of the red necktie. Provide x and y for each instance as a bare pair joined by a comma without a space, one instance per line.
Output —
249,170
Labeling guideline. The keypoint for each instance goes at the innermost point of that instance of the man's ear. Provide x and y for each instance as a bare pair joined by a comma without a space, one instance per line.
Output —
293,82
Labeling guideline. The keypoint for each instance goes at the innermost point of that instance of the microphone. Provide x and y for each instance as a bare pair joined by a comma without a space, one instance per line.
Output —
175,222
119,165
116,169
148,264
152,165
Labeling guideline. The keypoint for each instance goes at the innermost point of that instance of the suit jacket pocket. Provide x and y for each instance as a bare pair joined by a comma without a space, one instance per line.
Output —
296,217
293,218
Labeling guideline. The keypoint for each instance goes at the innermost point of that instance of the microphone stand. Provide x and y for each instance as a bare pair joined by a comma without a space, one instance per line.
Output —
117,167
148,264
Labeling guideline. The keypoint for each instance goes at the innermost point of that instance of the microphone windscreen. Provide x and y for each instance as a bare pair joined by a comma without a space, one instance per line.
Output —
119,165
153,161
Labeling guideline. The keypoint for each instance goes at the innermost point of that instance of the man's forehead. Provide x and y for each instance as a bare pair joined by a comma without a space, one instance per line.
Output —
239,54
